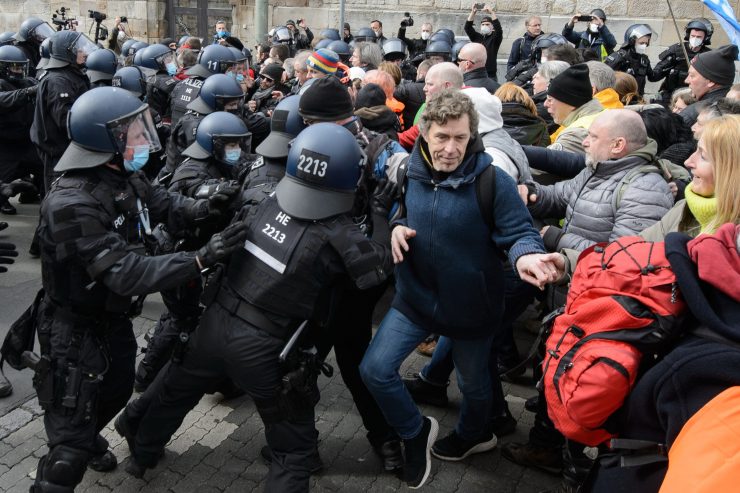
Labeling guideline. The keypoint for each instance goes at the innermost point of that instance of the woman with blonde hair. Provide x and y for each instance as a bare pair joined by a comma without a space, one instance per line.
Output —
713,196
521,120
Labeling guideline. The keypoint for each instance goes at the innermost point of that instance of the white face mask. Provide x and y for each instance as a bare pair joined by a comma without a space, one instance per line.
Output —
594,28
543,59
425,35
377,32
695,42
485,29
641,48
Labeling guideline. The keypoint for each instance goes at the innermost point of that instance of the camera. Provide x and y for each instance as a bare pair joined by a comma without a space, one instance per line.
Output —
479,6
409,20
97,16
60,19
124,19
584,18
298,22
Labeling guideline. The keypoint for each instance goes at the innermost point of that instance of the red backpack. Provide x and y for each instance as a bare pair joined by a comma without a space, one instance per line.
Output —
622,303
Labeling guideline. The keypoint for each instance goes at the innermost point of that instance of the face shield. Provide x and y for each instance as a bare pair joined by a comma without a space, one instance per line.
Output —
41,32
168,61
230,104
230,149
239,69
133,133
14,70
83,47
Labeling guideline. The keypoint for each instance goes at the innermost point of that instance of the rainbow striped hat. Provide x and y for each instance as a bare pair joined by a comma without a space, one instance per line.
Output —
323,60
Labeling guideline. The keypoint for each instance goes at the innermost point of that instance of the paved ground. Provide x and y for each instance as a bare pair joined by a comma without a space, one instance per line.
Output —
217,447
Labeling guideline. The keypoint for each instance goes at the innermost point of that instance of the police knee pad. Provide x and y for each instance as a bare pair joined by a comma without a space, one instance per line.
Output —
63,468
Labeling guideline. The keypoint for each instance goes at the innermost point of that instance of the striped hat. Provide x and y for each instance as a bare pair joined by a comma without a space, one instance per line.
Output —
323,60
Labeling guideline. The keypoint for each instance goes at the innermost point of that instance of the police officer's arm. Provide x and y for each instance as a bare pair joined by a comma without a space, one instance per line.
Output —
11,100
615,60
59,100
367,261
666,62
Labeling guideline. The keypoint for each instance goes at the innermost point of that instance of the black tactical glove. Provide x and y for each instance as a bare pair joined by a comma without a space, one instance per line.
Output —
219,195
221,245
386,193
15,187
7,251
31,91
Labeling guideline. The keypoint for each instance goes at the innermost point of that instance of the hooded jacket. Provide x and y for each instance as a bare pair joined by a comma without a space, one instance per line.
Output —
452,280
479,78
570,135
589,202
523,126
380,119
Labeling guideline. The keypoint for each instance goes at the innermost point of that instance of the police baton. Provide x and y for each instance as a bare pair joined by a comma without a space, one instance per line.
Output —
291,342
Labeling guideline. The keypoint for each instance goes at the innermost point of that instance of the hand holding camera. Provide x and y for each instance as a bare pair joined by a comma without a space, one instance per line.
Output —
407,20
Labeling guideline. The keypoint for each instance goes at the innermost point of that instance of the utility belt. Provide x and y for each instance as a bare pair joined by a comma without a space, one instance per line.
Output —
249,313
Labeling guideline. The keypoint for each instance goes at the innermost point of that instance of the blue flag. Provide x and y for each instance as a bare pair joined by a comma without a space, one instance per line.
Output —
726,17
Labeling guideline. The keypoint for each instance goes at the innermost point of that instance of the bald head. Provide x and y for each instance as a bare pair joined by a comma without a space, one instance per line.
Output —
475,56
613,135
441,76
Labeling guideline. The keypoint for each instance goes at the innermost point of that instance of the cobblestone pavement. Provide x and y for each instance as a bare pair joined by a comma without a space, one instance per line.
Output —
217,447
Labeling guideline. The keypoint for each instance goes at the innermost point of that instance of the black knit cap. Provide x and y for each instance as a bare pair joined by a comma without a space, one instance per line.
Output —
717,65
572,87
272,71
370,95
325,100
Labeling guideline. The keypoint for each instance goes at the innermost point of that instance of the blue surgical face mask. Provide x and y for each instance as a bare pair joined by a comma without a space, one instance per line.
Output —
240,77
231,156
223,34
140,158
171,68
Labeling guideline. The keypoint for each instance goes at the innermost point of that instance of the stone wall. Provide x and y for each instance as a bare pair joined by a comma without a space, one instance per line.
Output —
146,17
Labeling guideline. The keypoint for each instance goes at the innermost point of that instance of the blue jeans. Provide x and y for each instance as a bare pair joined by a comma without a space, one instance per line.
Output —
396,338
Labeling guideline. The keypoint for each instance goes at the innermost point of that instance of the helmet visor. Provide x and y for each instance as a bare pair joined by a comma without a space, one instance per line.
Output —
41,32
134,130
234,105
225,145
14,70
83,47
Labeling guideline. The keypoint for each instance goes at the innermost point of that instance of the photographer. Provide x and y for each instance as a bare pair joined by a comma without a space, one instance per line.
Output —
490,35
596,37
415,46
301,41
119,35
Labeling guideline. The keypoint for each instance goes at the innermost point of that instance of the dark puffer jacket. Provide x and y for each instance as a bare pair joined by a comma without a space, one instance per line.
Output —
523,126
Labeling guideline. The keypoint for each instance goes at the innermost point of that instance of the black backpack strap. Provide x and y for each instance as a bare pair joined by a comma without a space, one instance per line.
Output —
485,193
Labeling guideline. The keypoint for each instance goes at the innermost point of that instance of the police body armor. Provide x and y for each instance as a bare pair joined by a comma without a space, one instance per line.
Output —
181,137
263,172
674,61
183,94
73,285
15,123
158,93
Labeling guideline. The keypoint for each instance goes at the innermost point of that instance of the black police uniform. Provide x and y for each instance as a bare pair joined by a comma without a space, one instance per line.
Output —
635,64
18,156
672,66
91,237
31,50
57,91
185,92
182,136
158,94
278,280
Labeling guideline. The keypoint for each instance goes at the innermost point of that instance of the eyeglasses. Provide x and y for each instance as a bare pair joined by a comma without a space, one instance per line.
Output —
465,60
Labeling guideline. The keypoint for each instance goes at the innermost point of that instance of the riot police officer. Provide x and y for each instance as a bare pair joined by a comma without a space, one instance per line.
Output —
94,222
438,51
300,243
673,65
63,84
521,74
163,61
214,161
101,67
631,57
30,35
219,92
18,156
214,59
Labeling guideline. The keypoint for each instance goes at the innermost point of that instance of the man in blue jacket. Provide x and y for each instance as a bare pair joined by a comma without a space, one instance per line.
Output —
449,280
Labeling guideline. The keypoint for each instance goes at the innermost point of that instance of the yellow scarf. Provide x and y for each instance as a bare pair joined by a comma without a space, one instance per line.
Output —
704,209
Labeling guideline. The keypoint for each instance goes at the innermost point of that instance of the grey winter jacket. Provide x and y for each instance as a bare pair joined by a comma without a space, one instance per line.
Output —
507,154
589,202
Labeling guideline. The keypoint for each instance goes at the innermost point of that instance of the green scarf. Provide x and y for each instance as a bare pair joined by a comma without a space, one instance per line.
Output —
704,209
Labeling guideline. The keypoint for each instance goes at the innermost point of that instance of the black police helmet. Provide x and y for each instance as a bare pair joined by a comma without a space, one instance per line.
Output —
394,49
66,45
366,34
13,63
440,36
214,59
99,124
44,54
156,57
447,32
457,47
285,124
342,49
332,34
125,47
322,173
132,79
438,48
214,132
700,24
7,38
545,41
215,93
101,65
35,30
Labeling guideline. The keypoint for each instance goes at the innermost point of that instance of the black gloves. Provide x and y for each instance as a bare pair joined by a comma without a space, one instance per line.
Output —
15,187
386,193
219,195
221,245
7,250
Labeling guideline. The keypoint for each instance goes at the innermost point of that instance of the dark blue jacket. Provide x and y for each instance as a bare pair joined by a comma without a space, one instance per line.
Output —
452,279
